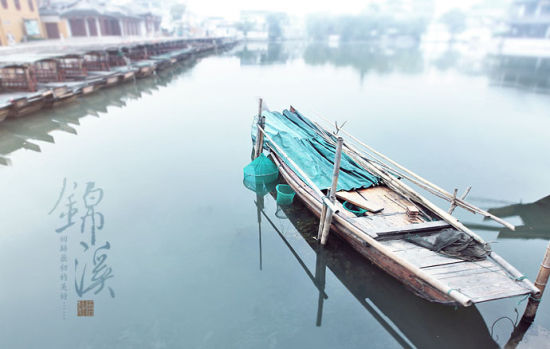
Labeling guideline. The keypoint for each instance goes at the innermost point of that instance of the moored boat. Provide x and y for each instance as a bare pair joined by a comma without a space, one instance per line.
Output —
399,230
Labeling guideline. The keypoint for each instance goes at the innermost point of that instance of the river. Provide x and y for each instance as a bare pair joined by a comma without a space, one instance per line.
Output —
134,198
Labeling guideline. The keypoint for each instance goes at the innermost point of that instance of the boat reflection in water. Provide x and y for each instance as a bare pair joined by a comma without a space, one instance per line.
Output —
21,133
409,319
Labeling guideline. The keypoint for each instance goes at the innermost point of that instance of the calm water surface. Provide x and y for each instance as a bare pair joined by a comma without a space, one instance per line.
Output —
186,256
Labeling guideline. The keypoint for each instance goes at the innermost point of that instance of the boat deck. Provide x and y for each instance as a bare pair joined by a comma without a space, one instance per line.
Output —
481,281
387,221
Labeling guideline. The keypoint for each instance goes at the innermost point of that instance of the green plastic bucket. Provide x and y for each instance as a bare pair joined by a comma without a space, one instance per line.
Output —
358,211
285,194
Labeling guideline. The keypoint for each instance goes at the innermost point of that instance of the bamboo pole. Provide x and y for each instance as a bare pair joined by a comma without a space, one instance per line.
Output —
324,220
321,222
332,192
402,187
540,283
312,184
446,195
453,201
453,204
259,135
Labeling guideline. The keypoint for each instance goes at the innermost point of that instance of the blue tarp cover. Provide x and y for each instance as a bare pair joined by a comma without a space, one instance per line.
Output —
301,141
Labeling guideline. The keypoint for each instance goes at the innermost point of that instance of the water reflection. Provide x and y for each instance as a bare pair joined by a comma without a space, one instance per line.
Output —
392,305
524,73
364,58
367,58
268,53
535,217
20,133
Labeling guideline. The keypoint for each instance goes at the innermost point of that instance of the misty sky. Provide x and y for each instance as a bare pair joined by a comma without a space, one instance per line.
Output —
232,8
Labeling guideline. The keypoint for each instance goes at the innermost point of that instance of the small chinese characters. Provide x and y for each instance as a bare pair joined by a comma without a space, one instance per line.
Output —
92,272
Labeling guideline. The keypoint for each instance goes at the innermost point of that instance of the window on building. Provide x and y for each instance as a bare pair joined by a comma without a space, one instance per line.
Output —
5,3
92,28
31,5
78,28
17,4
52,30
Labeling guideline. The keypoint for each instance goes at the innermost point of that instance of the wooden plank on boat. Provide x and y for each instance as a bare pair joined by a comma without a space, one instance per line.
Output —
382,222
385,197
418,255
481,281
466,268
409,228
355,198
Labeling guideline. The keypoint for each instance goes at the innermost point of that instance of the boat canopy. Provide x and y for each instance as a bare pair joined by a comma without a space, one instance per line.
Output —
301,140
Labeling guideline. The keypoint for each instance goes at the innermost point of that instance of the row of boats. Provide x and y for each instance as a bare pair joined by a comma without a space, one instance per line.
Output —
27,133
32,81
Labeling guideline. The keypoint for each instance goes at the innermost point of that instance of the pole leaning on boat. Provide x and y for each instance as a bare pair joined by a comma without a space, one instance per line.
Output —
326,214
259,135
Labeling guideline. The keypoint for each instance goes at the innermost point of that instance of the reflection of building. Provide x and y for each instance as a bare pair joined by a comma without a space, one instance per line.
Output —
536,221
19,21
533,214
529,18
264,53
84,18
523,72
535,218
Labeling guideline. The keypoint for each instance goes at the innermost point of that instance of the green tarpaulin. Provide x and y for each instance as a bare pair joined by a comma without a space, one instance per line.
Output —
300,140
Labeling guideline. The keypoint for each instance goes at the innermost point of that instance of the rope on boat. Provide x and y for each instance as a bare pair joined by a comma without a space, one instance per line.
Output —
519,278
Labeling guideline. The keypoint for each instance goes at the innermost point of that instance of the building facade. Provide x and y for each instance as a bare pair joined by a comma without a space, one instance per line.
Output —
529,19
86,18
19,21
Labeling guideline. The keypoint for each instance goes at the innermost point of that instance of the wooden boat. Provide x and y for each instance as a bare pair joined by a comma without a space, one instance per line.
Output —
383,235
5,107
145,68
127,72
24,103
